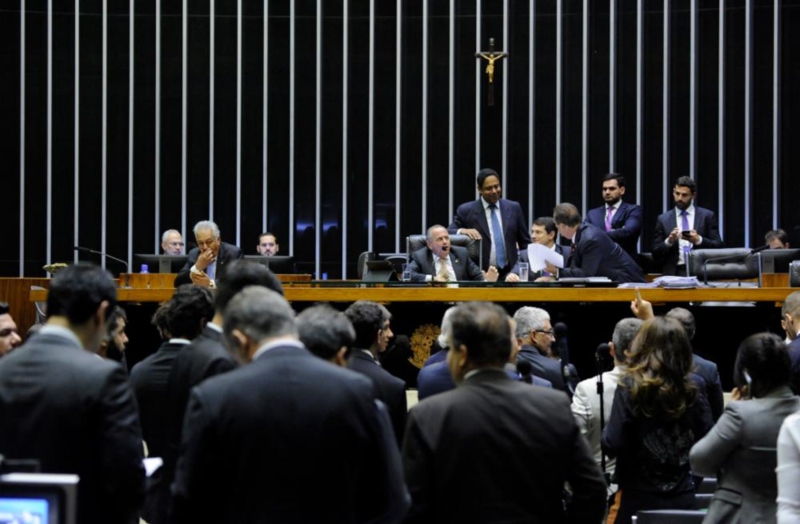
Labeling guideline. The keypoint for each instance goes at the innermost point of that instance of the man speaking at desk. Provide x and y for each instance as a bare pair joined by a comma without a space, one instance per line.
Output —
208,259
593,254
442,262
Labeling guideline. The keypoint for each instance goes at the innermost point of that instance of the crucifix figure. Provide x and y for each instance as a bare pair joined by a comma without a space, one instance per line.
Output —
490,56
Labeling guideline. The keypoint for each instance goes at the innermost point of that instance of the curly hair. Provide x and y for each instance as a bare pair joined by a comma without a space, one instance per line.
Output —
660,363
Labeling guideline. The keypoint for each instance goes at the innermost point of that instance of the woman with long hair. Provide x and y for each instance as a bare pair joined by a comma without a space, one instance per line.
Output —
741,448
659,412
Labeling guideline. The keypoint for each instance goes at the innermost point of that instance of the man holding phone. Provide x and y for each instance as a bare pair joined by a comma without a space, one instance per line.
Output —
683,228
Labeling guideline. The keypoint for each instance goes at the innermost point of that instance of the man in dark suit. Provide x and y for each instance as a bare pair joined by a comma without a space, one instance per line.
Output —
74,412
469,453
443,262
207,261
287,437
683,228
622,221
593,254
535,335
206,356
373,332
790,313
543,231
499,222
703,367
188,311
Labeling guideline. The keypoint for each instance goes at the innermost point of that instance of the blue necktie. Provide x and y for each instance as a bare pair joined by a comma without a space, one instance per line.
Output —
497,238
210,270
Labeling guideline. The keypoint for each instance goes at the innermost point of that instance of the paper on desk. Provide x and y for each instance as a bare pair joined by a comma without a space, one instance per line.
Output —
538,254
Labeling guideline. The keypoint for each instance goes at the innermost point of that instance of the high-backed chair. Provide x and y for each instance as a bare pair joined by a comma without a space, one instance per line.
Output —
416,242
735,263
794,274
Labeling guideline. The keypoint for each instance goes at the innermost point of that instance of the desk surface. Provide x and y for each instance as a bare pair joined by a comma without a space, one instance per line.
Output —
307,293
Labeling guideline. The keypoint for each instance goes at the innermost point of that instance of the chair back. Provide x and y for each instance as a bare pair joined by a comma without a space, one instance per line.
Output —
473,246
362,262
794,273
736,263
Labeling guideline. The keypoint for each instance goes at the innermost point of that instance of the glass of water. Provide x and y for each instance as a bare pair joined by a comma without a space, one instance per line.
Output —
523,272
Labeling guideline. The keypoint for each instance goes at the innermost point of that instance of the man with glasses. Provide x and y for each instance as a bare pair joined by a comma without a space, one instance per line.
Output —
535,336
9,337
208,259
172,242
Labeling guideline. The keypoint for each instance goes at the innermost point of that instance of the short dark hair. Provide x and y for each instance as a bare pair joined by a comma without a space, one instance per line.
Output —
189,306
324,330
159,319
368,318
483,327
779,234
767,362
77,291
116,314
547,223
485,173
615,176
238,275
686,181
685,318
265,233
567,214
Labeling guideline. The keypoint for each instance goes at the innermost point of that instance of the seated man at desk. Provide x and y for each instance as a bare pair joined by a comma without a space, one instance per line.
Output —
267,244
543,231
442,262
593,254
207,260
172,242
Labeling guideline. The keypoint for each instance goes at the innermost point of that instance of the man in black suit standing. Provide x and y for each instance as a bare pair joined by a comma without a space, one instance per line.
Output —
683,228
499,222
495,449
189,310
443,262
593,254
74,412
287,437
371,322
207,261
621,220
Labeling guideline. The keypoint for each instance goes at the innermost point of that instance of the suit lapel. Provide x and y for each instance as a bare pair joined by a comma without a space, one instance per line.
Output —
456,263
480,218
619,215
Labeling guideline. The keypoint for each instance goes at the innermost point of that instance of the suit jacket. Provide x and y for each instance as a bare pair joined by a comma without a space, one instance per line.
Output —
149,382
596,255
543,367
260,440
626,225
437,378
473,445
741,451
708,370
586,409
516,232
706,225
564,251
227,252
422,265
75,413
387,388
794,357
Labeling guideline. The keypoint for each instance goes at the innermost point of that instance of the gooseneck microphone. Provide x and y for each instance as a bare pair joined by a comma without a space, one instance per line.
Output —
753,251
106,255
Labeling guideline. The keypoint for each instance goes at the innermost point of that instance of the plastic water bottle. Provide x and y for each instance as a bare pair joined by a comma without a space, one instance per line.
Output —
145,269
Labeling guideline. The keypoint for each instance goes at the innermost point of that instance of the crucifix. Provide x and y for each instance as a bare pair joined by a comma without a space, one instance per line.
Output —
490,56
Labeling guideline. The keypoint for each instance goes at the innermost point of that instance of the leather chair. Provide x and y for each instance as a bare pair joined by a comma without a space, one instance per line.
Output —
416,242
794,273
723,264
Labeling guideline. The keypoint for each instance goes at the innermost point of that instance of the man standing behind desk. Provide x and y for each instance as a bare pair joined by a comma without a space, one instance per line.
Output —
499,222
208,259
683,228
622,221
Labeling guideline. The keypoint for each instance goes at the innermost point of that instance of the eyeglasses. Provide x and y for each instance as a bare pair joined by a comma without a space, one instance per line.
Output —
548,333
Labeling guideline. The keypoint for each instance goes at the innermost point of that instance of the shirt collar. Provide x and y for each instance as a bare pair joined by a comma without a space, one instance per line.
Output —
179,341
213,326
689,210
487,204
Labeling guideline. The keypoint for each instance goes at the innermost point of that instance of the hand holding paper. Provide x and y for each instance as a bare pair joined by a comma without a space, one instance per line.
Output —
539,254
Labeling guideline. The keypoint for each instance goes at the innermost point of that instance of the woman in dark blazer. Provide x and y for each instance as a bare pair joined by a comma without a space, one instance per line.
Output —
659,412
741,448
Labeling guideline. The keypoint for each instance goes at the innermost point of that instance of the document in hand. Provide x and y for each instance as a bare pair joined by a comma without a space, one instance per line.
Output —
538,254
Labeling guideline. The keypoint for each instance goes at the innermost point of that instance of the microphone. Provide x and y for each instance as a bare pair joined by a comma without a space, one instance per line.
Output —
602,351
524,368
732,257
95,252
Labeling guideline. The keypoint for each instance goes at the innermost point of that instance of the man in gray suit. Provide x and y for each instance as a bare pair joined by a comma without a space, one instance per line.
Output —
442,262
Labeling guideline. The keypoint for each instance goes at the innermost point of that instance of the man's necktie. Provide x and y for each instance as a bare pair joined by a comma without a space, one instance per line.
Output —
685,220
443,273
608,217
497,238
210,270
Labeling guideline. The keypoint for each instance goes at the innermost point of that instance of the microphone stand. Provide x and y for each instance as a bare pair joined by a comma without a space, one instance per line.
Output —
600,389
95,252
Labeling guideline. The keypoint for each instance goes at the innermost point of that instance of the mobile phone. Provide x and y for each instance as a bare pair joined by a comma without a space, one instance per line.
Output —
686,234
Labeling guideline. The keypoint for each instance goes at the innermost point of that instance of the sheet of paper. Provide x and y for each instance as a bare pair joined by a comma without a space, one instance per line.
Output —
538,254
